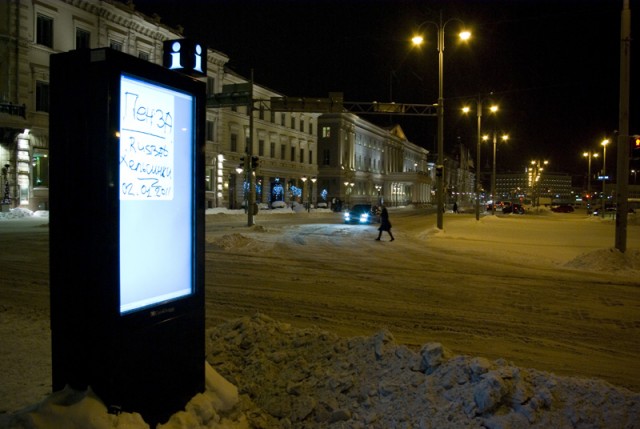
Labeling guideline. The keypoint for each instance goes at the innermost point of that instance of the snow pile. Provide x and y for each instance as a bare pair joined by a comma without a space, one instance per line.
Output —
607,260
308,378
17,213
282,377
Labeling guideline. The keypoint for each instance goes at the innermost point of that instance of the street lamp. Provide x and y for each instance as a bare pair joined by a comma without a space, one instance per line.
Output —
535,173
589,155
417,41
466,109
304,189
313,184
378,189
504,138
604,144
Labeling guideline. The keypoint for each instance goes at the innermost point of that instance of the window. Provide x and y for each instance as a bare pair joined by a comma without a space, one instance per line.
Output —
209,131
144,55
326,157
293,154
326,131
310,128
234,143
115,45
209,179
40,170
301,125
301,155
283,150
261,113
260,147
272,153
44,31
282,119
83,39
310,157
42,96
211,86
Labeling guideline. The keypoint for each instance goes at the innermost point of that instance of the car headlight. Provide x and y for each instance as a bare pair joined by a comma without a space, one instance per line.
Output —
347,216
364,217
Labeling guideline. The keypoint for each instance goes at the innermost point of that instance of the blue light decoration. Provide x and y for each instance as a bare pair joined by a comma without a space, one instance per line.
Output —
324,194
295,191
277,191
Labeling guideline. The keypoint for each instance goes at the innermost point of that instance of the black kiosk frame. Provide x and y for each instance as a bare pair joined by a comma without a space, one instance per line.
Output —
127,276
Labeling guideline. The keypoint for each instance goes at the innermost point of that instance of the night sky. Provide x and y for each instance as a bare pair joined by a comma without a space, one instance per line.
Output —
552,66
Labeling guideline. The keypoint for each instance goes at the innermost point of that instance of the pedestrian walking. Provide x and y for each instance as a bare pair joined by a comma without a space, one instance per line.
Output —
385,225
455,207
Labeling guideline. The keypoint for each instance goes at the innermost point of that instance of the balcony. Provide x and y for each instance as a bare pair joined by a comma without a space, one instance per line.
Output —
14,109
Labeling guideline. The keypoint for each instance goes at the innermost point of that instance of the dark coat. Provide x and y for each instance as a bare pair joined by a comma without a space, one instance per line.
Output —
385,225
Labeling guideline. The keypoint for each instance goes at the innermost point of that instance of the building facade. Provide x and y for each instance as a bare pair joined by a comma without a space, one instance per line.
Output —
360,162
544,188
375,163
31,31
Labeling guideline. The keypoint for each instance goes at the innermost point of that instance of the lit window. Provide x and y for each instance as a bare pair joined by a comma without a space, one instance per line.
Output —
326,131
40,170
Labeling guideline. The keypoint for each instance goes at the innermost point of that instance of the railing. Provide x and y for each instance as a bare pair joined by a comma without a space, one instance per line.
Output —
14,109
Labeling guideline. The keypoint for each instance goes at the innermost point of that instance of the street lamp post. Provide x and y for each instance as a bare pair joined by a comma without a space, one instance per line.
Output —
493,109
304,189
417,40
535,174
312,199
604,144
504,138
589,155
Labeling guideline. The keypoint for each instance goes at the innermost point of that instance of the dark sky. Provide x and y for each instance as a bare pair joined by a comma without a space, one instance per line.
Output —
553,66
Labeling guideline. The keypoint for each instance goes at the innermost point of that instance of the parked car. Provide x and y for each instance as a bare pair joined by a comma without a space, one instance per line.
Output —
513,208
562,208
362,214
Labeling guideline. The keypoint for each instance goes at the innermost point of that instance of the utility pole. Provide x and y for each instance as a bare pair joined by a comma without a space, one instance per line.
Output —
622,179
248,165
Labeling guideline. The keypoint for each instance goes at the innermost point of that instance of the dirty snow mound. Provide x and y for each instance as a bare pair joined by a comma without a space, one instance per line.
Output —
232,241
309,378
608,260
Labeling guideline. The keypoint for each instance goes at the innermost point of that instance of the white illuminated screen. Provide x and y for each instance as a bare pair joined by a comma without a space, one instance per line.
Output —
156,193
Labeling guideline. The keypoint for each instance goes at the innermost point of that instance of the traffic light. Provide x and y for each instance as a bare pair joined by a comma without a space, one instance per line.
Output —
635,147
439,169
255,161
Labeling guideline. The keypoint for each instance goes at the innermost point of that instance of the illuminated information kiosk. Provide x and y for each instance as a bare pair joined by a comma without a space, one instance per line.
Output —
127,231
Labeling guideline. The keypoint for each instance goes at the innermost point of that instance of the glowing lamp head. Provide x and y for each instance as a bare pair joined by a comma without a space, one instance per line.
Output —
417,40
464,35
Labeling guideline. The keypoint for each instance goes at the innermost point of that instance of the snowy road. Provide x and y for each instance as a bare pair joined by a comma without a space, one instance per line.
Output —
494,288
512,287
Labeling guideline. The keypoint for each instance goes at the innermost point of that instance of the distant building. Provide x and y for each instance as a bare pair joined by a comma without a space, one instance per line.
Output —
549,186
360,162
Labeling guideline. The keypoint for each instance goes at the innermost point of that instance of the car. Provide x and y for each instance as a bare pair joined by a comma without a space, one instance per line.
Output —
562,208
513,208
361,214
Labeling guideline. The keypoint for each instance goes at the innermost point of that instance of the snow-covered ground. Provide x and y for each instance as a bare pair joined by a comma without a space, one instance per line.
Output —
312,323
